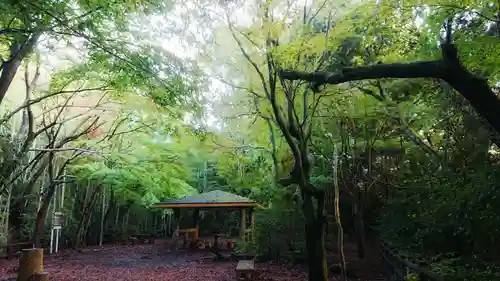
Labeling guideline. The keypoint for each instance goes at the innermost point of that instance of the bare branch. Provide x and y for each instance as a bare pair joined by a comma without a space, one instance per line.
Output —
42,98
247,57
371,93
238,147
248,38
74,149
321,7
235,86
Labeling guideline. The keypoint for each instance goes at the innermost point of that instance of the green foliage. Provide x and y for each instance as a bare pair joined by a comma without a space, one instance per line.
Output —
413,146
412,152
150,173
444,213
279,231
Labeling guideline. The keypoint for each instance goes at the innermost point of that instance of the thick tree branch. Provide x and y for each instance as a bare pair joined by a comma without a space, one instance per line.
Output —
424,69
448,69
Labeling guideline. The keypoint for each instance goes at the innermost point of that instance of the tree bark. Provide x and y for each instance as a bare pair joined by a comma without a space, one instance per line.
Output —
315,243
40,222
360,228
103,215
315,238
87,210
18,52
274,153
111,206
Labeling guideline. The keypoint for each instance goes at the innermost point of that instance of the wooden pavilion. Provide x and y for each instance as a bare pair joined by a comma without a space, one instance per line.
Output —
212,200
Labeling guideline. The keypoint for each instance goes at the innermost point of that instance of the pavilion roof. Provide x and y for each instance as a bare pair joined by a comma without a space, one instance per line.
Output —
215,198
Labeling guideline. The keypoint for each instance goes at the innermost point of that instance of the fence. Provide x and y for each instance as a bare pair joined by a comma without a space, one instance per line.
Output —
399,268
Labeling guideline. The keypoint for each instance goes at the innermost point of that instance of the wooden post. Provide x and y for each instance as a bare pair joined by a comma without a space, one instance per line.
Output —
243,224
196,219
252,223
177,218
31,262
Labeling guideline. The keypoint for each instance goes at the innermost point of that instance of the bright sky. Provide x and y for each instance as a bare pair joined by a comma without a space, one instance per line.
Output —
179,32
179,44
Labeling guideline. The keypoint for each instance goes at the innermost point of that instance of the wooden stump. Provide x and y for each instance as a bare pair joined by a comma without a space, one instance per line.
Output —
31,262
41,276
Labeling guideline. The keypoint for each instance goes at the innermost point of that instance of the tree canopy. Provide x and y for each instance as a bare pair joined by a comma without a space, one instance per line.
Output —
363,119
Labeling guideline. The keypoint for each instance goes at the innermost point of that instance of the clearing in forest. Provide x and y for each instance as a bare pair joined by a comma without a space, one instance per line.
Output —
149,263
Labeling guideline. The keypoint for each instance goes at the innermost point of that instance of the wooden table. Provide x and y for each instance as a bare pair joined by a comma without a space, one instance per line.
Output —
215,247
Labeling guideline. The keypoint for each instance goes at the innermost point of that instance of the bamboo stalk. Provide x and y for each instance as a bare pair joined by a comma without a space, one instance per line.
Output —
340,230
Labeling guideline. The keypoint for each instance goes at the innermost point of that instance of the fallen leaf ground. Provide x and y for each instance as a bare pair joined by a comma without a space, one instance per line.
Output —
149,263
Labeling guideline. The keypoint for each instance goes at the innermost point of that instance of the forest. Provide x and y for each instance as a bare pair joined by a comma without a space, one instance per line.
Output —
363,123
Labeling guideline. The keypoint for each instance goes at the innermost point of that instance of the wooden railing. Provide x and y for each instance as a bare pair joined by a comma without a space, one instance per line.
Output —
399,268
11,249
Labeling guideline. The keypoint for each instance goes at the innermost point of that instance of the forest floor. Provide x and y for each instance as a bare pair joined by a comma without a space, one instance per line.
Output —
152,263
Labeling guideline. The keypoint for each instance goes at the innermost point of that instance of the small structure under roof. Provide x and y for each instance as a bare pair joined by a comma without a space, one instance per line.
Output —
211,199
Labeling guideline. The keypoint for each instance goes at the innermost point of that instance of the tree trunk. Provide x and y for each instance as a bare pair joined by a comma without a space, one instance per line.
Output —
360,231
86,227
103,215
88,203
274,153
111,206
40,223
42,215
18,52
315,241
15,223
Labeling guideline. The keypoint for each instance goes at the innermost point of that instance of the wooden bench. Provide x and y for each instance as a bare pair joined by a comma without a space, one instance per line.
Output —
245,270
144,238
12,249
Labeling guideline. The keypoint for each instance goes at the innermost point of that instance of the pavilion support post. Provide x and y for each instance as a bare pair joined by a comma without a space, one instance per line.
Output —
177,218
196,219
252,223
243,224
